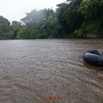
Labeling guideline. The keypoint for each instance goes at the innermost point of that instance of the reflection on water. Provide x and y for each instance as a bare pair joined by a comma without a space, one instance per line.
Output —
32,69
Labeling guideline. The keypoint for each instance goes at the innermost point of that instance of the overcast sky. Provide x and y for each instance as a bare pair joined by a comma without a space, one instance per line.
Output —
16,9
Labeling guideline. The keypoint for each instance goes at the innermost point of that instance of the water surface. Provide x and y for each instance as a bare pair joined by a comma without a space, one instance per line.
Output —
32,69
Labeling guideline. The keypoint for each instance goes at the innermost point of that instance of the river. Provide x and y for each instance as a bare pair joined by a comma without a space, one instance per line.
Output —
49,71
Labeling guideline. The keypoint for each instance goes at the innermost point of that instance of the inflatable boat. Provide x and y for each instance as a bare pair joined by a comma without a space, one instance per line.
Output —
94,57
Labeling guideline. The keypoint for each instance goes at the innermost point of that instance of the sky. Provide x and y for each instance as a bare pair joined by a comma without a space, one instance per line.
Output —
16,9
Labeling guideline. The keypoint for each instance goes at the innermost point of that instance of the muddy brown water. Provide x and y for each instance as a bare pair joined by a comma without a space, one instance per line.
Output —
32,69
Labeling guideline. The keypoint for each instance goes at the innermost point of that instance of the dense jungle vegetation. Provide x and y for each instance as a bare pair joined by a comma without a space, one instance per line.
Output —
73,19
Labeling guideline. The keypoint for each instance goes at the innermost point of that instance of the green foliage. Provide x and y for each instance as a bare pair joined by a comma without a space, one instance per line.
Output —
74,19
69,16
8,35
93,14
15,26
23,33
41,24
84,6
50,28
34,18
4,27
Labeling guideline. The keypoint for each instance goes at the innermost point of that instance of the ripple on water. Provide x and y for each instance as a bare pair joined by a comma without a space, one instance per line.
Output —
32,69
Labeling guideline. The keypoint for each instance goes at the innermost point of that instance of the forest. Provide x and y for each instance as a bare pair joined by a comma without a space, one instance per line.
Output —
73,19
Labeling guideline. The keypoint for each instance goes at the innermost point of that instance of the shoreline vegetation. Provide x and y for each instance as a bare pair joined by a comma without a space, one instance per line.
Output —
74,19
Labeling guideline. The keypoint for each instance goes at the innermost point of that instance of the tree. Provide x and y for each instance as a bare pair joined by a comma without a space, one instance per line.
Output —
15,26
4,27
23,33
50,28
69,16
41,24
93,18
34,18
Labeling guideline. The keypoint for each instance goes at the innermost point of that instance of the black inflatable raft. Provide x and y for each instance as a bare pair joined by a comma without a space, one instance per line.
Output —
94,57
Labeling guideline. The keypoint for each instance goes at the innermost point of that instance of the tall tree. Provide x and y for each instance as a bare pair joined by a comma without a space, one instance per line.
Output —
15,26
69,16
93,18
50,28
34,18
4,27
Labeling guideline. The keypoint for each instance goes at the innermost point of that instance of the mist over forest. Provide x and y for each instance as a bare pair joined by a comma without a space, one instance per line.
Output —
74,19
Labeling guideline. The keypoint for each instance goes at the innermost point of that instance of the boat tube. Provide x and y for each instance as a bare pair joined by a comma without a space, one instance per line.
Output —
94,57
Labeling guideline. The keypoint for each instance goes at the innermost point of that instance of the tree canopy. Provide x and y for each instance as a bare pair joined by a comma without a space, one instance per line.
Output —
73,19
4,27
